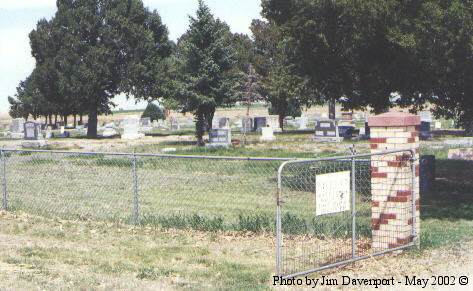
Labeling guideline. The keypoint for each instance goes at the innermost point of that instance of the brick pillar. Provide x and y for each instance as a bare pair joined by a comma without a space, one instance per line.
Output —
391,179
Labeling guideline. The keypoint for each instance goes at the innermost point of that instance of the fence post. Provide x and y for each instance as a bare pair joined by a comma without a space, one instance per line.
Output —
353,208
414,199
136,206
394,181
4,178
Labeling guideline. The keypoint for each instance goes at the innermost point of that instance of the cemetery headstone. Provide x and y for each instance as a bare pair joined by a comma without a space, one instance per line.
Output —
426,172
224,122
302,122
16,128
347,116
438,125
32,135
131,127
259,123
267,134
246,124
49,132
426,120
109,132
175,124
326,130
465,154
273,122
32,131
220,137
346,131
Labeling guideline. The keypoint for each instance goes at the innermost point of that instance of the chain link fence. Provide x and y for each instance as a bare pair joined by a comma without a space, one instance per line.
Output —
206,193
333,211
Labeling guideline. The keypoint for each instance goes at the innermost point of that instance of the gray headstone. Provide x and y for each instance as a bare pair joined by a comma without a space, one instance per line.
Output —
220,137
32,131
461,154
326,130
259,122
426,172
246,124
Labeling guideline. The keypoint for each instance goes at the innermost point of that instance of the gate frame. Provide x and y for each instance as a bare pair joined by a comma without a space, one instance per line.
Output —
352,158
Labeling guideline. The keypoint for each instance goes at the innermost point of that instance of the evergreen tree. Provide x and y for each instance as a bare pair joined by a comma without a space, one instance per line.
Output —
154,112
206,75
281,86
93,50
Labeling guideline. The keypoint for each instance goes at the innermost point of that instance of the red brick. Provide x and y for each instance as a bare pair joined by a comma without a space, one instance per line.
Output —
375,203
374,146
411,140
409,222
392,246
398,199
374,169
387,216
404,241
414,134
397,164
404,193
379,175
378,140
403,158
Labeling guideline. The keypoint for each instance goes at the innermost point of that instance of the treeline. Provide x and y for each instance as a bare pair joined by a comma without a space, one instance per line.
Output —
361,54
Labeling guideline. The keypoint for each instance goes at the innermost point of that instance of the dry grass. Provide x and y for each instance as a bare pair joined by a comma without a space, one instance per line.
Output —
38,253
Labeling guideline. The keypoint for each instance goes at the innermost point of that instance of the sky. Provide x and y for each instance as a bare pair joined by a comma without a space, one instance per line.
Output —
19,17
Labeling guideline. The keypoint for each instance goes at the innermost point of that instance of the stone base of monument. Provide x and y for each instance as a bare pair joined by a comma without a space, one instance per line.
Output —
109,132
15,135
132,136
34,144
327,139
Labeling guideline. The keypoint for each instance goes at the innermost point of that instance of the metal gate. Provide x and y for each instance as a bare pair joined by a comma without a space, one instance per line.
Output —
335,211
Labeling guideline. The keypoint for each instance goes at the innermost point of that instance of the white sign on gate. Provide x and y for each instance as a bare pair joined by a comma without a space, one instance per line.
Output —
332,193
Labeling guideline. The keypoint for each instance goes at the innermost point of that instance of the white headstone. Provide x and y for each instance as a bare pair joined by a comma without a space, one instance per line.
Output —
302,122
131,127
109,132
438,125
267,134
425,116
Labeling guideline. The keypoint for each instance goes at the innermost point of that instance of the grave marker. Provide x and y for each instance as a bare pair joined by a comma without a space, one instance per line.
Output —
326,130
267,134
131,126
259,123
220,137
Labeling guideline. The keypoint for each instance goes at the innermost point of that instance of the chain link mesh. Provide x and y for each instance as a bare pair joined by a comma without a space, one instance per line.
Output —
181,192
311,241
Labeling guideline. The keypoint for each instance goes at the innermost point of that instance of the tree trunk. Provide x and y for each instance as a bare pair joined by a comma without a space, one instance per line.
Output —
75,120
200,127
80,119
331,109
50,119
92,124
65,120
209,118
281,121
55,119
469,128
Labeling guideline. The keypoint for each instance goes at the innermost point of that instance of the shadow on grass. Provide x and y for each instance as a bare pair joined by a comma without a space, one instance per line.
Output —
447,210
451,196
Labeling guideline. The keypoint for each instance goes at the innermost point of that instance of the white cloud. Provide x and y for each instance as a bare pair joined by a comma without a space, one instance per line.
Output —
26,4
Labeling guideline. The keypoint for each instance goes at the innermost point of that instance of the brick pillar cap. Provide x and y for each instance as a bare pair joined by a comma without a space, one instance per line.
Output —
394,118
